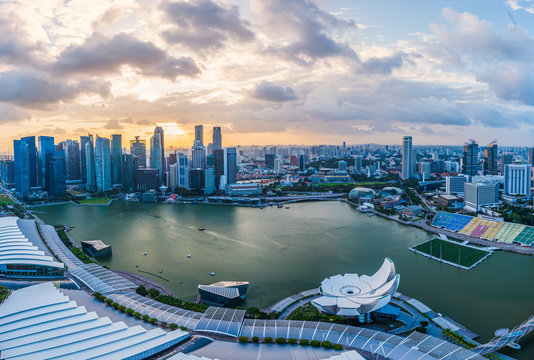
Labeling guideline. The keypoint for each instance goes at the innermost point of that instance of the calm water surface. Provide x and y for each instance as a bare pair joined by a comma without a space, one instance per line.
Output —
284,251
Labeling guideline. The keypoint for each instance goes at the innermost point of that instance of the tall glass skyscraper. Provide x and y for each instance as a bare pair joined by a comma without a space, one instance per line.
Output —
72,159
470,158
407,158
83,163
23,150
102,164
47,149
116,158
230,165
490,159
198,152
90,179
156,155
138,149
57,184
217,138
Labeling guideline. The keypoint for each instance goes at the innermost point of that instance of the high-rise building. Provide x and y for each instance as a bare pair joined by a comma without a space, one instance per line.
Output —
25,165
490,159
531,156
407,158
424,170
83,163
159,130
302,162
518,179
7,173
47,149
230,165
116,159
506,158
103,164
217,138
146,179
455,184
130,163
138,149
57,184
269,161
72,159
197,179
183,171
199,135
172,178
209,181
156,159
470,158
477,195
90,179
358,159
218,159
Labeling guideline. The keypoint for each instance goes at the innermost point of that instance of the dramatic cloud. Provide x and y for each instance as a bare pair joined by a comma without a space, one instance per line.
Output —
100,55
113,124
384,65
272,92
304,28
511,81
205,24
32,90
9,113
16,45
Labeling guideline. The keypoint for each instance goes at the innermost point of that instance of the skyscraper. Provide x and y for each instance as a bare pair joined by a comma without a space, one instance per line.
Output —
159,130
218,157
25,165
470,158
47,149
116,158
156,159
83,163
129,165
518,179
138,148
72,159
57,184
230,165
199,135
407,158
90,179
269,161
198,151
102,164
183,171
490,159
217,138
531,156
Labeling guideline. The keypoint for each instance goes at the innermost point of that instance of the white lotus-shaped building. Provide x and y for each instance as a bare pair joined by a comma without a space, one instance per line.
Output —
351,295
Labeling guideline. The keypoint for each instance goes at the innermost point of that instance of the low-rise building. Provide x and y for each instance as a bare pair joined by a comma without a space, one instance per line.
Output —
243,189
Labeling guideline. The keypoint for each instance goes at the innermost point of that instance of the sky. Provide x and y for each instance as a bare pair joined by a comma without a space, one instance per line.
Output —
269,71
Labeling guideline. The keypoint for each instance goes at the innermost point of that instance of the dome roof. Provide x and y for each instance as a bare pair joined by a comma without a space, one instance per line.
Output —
351,295
362,193
390,191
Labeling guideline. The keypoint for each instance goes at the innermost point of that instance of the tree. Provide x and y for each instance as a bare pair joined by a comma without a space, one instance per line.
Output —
268,340
243,339
141,290
280,340
173,326
153,293
255,339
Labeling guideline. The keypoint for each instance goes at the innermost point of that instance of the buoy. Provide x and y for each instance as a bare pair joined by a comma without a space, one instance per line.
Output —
160,271
189,256
145,253
136,265
212,274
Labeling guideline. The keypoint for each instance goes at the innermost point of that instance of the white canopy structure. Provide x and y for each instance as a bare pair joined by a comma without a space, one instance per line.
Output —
351,295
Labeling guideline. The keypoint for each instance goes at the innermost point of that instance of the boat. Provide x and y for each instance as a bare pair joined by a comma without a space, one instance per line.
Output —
189,256
161,271
287,207
201,229
280,206
137,266
145,253
212,274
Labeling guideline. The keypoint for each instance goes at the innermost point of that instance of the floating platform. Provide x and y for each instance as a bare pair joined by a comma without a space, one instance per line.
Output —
452,253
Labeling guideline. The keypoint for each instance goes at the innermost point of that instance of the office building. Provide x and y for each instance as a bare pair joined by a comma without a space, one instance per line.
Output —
172,177
490,159
90,181
116,159
407,158
477,195
470,158
156,158
7,173
518,179
198,151
102,164
57,184
424,170
199,135
25,156
302,163
183,171
217,138
455,184
46,151
209,181
277,165
146,179
269,161
138,149
196,178
506,158
218,159
531,156
129,164
230,165
358,159
83,162
72,160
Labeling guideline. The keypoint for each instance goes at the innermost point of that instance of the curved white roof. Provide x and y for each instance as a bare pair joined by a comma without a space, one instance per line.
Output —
16,248
352,295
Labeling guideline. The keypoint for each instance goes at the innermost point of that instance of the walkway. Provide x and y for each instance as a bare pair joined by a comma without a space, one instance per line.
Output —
284,303
288,310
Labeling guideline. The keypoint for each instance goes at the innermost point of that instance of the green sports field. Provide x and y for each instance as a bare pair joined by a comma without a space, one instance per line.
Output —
95,201
451,251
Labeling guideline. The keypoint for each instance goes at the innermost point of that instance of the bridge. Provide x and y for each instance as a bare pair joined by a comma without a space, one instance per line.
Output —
510,337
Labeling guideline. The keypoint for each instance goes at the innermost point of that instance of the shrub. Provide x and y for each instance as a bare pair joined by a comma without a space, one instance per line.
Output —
163,323
183,328
268,340
115,305
122,308
280,340
315,343
243,339
153,293
255,339
326,344
129,311
337,347
304,342
109,301
292,341
141,290
137,314
173,326
146,317
153,320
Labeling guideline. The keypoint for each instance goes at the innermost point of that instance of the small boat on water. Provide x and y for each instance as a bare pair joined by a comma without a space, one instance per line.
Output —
287,207
161,271
189,256
201,229
280,206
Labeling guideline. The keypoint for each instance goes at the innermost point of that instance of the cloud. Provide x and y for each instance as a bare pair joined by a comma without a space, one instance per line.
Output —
383,65
271,92
33,90
511,81
9,113
304,28
205,24
113,124
100,55
525,5
16,45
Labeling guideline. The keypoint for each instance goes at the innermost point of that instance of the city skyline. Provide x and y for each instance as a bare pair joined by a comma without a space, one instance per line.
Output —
337,71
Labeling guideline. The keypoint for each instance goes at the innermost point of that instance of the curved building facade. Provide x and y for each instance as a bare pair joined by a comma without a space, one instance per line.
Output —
361,193
351,295
22,252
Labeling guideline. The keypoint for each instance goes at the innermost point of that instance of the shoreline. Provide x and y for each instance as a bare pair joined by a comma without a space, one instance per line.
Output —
145,281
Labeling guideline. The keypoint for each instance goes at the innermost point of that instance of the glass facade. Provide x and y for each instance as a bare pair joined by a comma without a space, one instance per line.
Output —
29,270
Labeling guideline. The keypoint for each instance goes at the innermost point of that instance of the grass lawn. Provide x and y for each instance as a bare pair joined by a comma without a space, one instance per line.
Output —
96,201
450,251
4,200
